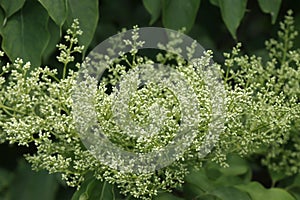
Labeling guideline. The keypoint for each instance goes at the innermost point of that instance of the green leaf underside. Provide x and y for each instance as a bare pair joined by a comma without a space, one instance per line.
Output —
154,8
232,12
25,35
270,7
177,14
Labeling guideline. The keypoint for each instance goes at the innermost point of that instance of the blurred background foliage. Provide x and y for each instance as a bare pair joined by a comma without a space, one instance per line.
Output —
30,29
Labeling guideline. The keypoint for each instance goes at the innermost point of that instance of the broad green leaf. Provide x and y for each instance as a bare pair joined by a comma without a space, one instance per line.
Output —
237,166
54,39
296,181
297,24
57,10
177,14
200,180
270,7
214,2
5,178
88,14
238,171
2,18
258,192
213,171
229,193
93,189
167,196
154,8
295,192
31,185
232,12
192,190
247,177
11,6
206,197
83,188
25,35
276,176
229,180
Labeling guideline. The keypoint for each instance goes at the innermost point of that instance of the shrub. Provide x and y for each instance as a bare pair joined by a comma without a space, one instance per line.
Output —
261,116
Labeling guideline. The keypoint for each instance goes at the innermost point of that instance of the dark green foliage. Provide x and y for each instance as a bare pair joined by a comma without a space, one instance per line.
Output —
30,29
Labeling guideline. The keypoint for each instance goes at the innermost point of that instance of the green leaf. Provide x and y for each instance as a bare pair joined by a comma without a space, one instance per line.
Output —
232,12
258,192
167,196
276,176
295,192
229,180
238,171
154,8
270,7
93,189
229,193
25,35
214,2
88,14
54,31
192,190
5,178
296,182
177,14
200,179
30,185
213,171
2,19
10,7
57,10
206,197
237,166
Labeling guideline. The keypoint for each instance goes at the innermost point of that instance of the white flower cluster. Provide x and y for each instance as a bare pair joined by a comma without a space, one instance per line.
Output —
36,108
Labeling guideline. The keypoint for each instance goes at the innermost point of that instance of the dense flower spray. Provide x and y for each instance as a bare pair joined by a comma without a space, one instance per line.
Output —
262,113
